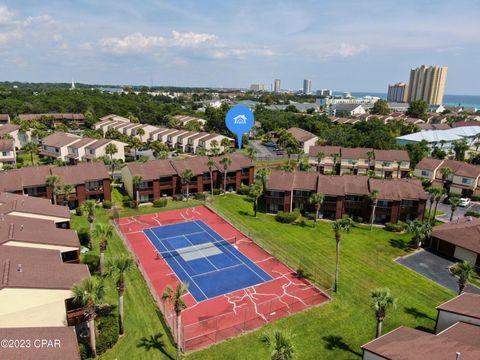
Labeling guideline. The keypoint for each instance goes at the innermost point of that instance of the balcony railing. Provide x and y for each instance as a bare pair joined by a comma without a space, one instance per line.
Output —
75,316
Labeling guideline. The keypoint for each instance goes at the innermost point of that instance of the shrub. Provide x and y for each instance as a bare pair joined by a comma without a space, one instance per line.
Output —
287,217
126,200
133,204
84,237
158,203
475,197
107,327
398,227
79,211
472,213
243,190
177,197
217,191
200,196
84,350
107,204
92,261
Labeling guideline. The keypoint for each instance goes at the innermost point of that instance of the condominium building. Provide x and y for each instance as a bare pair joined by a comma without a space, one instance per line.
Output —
427,83
397,93
276,86
307,87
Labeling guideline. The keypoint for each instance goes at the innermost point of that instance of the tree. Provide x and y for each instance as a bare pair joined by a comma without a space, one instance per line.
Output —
117,268
418,109
186,176
140,132
399,165
88,294
135,143
103,232
54,182
316,200
454,202
460,148
158,148
320,157
111,149
381,301
250,152
464,271
214,147
225,143
211,163
254,192
421,231
31,148
373,196
136,181
174,297
226,162
339,226
437,196
417,152
66,190
262,175
380,108
279,344
433,192
88,207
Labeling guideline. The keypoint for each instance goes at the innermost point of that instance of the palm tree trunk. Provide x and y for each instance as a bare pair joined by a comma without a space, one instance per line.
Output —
255,207
93,342
179,338
435,210
225,183
316,215
379,329
102,262
451,215
111,164
337,265
188,190
372,216
430,209
211,183
461,287
120,311
31,157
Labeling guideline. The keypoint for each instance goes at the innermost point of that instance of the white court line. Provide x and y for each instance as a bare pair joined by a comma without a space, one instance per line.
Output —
186,273
200,251
210,272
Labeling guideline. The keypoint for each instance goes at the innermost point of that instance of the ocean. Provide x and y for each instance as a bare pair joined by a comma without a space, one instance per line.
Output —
467,101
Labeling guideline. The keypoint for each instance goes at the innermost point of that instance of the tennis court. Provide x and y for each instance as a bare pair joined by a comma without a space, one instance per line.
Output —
201,258
235,286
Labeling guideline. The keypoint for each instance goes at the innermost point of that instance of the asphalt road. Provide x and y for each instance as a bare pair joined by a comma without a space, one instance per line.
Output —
434,268
459,213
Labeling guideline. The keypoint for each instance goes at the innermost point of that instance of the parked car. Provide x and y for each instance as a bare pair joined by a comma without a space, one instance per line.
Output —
280,152
464,202
270,144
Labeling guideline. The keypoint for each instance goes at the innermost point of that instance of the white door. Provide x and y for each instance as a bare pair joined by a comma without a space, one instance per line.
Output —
464,254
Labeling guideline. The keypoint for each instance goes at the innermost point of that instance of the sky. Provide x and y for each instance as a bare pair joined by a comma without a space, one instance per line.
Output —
344,45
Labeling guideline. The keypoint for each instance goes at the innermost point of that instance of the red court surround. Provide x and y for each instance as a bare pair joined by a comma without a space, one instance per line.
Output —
213,320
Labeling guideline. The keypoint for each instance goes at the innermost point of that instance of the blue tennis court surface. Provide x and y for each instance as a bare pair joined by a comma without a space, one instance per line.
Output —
200,257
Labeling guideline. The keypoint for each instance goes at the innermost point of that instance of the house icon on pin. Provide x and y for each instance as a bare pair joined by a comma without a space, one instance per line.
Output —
240,119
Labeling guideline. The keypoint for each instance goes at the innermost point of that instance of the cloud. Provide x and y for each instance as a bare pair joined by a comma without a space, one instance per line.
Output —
326,50
5,15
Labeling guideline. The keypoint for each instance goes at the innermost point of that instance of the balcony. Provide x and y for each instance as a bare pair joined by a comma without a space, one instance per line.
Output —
75,316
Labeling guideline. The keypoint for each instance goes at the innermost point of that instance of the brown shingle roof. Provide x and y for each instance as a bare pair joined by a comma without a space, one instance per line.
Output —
79,174
405,343
22,267
10,203
326,150
281,180
56,116
195,164
355,153
67,349
239,162
398,189
8,128
82,143
461,168
152,169
7,144
465,233
467,304
301,135
99,143
429,164
59,139
391,155
4,117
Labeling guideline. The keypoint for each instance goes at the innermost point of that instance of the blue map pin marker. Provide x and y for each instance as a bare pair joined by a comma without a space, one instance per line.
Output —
239,120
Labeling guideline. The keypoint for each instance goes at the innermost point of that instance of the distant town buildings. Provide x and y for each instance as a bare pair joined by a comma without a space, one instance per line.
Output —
276,85
307,87
259,87
324,92
427,83
397,93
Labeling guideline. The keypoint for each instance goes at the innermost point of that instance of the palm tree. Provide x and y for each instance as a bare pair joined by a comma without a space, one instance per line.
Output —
320,157
381,301
89,208
421,231
464,271
88,294
214,147
454,203
137,180
186,176
140,132
262,175
31,148
432,190
65,190
250,152
339,226
399,165
384,165
174,297
316,200
226,162
279,344
158,149
370,156
225,143
111,149
373,196
254,192
54,182
103,232
437,197
210,163
446,172
135,143
118,267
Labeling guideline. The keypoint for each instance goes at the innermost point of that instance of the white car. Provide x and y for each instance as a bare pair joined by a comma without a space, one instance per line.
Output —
464,202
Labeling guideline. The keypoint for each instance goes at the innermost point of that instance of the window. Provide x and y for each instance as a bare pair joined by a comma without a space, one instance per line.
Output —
5,153
275,194
245,171
94,185
407,202
425,173
301,193
355,198
383,203
466,181
366,162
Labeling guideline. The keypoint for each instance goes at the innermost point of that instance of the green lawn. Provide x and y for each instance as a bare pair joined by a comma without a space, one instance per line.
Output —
332,331
336,330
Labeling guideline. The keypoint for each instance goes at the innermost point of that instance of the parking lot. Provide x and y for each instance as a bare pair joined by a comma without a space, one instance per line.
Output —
265,152
459,213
